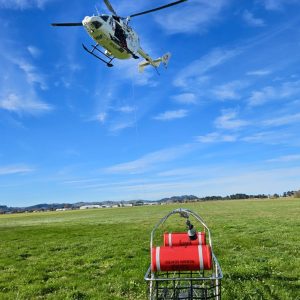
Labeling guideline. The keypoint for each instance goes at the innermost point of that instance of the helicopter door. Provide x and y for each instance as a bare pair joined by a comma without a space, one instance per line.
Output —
133,42
120,35
112,23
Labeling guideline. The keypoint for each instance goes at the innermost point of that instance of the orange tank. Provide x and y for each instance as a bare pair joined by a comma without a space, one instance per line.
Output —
182,239
190,258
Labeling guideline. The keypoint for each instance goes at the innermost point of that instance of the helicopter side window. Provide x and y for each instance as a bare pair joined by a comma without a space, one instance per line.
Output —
105,18
97,24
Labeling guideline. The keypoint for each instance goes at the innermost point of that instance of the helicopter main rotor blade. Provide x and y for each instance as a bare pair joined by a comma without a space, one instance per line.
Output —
66,24
110,8
157,8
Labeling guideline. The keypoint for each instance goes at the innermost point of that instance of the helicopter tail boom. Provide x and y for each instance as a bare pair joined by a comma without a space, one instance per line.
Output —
154,63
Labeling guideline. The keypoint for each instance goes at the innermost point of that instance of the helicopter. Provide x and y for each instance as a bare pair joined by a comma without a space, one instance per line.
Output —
119,40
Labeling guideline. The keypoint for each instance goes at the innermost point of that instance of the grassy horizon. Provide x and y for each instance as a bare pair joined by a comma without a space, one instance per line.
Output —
104,253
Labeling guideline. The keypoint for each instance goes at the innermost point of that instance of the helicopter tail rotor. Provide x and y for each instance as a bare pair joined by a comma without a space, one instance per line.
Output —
165,59
155,63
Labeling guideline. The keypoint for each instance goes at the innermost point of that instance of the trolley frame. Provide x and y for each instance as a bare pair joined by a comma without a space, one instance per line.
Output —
187,285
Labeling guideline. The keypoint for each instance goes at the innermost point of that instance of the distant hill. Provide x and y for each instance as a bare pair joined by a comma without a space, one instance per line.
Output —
173,199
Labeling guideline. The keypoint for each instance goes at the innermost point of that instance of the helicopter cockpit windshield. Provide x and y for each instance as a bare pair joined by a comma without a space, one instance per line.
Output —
116,18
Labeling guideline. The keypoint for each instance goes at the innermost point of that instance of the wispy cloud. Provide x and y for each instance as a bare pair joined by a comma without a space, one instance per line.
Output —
116,127
230,90
251,20
271,137
150,160
282,120
262,96
216,137
171,115
285,158
261,72
195,170
101,117
194,72
195,16
277,4
30,71
285,90
229,120
15,169
19,88
23,4
23,104
185,98
34,51
125,109
114,124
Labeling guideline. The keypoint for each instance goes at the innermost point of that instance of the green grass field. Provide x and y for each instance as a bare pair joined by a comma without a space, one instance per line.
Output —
104,253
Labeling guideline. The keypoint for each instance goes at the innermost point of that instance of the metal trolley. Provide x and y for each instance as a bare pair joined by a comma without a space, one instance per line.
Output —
175,285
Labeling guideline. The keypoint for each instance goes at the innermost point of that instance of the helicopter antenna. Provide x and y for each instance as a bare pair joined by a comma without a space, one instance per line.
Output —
97,10
127,20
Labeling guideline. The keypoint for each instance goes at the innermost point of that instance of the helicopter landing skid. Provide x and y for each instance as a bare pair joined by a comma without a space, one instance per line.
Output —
95,47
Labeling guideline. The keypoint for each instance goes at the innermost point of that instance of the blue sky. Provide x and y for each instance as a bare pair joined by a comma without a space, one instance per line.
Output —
223,118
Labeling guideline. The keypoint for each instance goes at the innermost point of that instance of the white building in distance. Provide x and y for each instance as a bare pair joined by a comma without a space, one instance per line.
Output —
89,206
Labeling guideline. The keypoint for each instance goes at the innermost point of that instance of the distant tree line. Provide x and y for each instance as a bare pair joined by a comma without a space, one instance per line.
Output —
191,198
297,194
238,196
